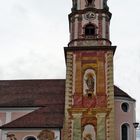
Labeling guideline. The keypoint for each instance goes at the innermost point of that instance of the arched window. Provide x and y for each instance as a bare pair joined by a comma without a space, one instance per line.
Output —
125,131
90,30
30,138
89,2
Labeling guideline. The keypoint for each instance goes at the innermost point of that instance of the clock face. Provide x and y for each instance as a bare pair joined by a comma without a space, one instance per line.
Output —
90,15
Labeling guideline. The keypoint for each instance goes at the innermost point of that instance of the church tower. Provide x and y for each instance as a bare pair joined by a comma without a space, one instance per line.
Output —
89,93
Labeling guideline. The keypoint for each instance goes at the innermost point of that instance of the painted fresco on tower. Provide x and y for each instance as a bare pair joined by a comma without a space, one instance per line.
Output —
89,83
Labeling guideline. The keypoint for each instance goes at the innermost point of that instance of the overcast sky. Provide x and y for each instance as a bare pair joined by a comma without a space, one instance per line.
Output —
34,32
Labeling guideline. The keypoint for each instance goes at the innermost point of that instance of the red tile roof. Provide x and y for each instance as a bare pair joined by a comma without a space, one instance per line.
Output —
31,93
45,117
49,95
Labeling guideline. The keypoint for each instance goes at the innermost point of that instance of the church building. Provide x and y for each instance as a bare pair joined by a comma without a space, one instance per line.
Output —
84,106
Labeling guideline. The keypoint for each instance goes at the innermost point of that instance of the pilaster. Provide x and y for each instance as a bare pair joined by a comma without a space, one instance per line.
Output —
68,96
110,95
77,126
101,126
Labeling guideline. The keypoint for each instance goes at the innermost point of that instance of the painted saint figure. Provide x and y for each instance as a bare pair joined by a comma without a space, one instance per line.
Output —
90,83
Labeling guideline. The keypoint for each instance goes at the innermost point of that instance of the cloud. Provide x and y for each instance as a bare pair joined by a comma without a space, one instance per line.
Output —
35,65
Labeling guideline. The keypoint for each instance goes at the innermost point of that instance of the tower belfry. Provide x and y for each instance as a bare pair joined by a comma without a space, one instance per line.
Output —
89,93
89,23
